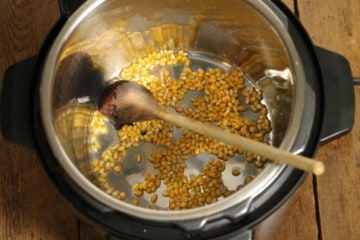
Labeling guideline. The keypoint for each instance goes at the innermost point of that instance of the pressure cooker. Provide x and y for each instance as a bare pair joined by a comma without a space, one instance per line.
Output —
308,91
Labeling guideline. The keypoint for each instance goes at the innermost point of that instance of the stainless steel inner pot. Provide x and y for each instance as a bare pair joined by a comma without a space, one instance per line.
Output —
102,37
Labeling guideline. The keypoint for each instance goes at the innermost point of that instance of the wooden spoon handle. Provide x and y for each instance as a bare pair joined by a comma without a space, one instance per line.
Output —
270,152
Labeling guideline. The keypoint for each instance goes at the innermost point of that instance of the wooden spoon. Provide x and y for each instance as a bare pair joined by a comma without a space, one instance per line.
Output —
125,102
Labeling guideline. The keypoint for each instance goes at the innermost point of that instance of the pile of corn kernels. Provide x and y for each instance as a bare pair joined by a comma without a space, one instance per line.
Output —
219,105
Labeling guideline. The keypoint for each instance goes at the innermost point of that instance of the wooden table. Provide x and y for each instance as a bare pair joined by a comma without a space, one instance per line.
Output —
327,207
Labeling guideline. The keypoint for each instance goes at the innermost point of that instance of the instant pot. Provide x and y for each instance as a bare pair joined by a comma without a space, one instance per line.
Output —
308,91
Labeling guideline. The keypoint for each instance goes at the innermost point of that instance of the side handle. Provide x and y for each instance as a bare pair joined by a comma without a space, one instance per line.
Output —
339,96
16,108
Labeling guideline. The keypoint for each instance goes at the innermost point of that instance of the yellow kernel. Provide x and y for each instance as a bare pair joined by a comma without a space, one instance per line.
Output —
101,180
103,175
122,196
117,168
179,109
106,186
138,157
153,198
95,163
212,173
248,179
135,202
138,193
235,171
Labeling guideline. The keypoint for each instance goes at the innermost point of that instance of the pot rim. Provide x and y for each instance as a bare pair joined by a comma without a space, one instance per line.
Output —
249,193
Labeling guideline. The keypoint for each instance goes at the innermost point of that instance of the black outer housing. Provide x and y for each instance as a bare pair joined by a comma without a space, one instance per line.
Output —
125,226
67,7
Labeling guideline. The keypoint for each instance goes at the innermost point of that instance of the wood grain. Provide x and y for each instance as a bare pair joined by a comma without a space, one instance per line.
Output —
335,25
29,206
299,221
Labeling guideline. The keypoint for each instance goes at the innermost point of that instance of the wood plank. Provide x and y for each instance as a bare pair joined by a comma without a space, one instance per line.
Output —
90,232
299,220
338,190
334,25
29,206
